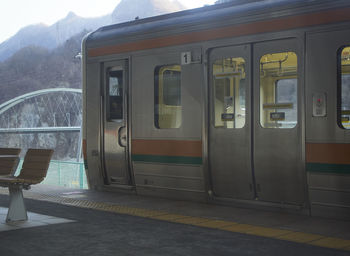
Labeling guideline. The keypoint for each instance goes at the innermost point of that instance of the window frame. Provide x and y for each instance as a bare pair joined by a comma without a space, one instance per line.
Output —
235,94
297,78
340,86
157,95
277,101
108,115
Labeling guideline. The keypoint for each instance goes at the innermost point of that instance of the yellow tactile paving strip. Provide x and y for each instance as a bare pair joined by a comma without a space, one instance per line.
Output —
277,233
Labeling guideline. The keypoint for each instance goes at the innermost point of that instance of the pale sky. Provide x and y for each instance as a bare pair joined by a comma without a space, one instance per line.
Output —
15,14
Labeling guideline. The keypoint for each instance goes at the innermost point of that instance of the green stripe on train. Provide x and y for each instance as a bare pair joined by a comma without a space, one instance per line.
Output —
328,168
167,159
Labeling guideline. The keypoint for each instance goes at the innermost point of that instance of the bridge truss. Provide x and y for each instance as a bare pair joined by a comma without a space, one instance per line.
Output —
45,118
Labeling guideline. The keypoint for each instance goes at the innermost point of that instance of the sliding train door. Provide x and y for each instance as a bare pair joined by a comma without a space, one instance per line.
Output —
255,133
230,126
277,124
114,108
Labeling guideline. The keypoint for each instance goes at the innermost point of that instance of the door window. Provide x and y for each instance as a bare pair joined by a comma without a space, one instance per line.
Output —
229,93
286,92
344,88
278,90
115,94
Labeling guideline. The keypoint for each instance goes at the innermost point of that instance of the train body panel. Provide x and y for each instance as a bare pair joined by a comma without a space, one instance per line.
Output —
327,142
166,139
250,110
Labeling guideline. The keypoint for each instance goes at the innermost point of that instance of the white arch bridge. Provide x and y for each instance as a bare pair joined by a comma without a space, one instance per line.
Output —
49,110
46,118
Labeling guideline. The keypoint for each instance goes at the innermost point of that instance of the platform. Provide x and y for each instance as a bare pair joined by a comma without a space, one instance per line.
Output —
106,223
34,220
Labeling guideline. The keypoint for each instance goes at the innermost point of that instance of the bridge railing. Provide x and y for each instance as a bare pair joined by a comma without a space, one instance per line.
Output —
68,174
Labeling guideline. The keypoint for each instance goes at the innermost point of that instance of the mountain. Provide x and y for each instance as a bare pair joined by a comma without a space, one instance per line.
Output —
130,9
34,68
55,35
52,36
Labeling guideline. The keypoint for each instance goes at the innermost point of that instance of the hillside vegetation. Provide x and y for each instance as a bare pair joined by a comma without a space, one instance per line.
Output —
34,68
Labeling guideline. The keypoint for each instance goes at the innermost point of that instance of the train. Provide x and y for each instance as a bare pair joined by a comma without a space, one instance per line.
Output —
244,103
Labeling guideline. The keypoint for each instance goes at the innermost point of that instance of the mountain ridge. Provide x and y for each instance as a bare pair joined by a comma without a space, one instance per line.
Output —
52,36
49,37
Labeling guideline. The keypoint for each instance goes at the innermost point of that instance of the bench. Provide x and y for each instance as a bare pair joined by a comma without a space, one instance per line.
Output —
9,160
34,169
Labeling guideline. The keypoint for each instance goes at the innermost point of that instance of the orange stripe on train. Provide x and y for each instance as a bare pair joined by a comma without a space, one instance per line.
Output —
185,148
277,24
328,153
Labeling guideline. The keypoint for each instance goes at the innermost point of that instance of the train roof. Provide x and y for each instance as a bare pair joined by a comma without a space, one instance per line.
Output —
206,18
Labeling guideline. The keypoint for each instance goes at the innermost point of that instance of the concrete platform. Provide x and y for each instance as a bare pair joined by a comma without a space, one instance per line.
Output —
34,220
122,224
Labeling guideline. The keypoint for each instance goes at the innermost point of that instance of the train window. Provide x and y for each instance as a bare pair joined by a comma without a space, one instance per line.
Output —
278,90
286,91
115,94
229,92
167,97
344,88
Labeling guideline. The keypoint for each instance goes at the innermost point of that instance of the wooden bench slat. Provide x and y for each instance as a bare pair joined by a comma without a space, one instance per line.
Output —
31,171
36,165
38,152
10,151
36,158
7,163
5,172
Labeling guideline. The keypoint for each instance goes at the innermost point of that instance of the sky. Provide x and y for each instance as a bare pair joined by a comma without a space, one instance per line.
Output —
16,14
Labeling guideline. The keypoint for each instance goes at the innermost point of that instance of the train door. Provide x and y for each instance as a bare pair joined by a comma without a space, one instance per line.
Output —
255,135
230,129
114,139
277,124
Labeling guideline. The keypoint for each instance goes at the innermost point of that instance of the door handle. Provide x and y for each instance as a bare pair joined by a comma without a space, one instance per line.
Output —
122,136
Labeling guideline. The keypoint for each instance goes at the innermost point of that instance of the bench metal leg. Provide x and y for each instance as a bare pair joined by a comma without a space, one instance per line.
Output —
17,210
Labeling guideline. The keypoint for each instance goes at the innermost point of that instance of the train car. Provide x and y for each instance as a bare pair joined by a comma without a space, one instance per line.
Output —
244,103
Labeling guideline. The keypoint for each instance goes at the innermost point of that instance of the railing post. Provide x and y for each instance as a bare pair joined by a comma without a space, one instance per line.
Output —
59,173
81,175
